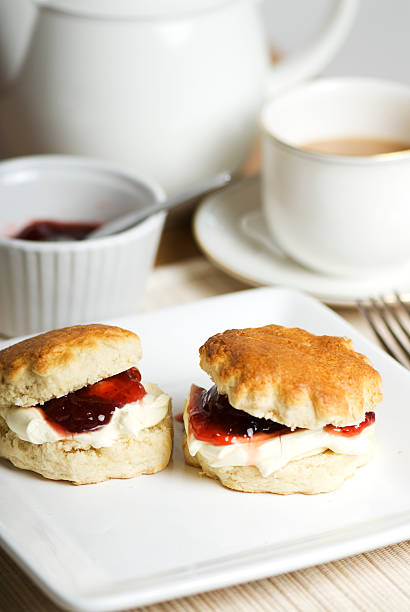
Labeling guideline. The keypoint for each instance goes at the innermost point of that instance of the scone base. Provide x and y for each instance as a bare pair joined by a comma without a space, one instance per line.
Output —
148,454
312,475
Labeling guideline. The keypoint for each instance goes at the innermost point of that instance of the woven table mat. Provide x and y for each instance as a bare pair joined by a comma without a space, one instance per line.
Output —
373,581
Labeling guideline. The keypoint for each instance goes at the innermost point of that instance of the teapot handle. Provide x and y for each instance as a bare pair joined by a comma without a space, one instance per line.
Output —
313,57
17,23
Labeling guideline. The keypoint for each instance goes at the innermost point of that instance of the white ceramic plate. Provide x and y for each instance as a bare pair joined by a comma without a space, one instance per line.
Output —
231,230
126,543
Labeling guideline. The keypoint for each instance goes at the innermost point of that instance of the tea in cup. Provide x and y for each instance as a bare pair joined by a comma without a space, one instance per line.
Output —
336,175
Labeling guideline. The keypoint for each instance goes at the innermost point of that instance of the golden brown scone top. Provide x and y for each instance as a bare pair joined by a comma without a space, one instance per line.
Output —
64,360
291,376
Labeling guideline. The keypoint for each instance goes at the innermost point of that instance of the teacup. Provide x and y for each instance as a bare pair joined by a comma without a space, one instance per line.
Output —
341,214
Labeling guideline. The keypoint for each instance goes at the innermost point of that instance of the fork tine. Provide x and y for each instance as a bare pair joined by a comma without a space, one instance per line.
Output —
389,328
365,310
395,316
402,304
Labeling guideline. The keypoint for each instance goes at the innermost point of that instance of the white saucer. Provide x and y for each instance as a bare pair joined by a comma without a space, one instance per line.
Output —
230,229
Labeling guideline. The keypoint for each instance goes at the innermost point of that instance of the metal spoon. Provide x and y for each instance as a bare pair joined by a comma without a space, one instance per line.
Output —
133,218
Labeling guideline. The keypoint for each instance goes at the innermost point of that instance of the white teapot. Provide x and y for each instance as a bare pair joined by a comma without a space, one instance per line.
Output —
170,88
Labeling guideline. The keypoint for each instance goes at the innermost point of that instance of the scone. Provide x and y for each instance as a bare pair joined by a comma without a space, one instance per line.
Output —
290,412
72,406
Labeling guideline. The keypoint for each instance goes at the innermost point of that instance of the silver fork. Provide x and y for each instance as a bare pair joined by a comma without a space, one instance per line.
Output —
390,322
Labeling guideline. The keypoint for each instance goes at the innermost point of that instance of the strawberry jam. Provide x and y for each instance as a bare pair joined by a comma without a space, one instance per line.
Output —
352,430
92,407
212,419
56,231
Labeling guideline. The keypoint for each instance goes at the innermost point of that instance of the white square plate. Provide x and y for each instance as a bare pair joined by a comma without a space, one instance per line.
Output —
127,543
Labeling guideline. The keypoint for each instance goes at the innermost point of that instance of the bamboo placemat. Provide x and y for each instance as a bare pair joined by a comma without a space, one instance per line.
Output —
374,581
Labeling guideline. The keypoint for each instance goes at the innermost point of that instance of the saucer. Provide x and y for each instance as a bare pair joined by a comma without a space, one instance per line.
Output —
230,229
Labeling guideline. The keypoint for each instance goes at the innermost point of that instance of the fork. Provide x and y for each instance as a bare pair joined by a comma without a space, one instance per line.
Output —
387,321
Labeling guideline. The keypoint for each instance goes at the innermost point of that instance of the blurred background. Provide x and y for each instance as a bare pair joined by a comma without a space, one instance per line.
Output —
378,44
174,97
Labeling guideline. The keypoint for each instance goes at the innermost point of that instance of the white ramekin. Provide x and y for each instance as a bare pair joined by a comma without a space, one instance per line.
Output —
45,285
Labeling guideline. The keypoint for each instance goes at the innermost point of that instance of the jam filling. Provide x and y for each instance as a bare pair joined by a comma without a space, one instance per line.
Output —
92,407
352,430
212,419
56,231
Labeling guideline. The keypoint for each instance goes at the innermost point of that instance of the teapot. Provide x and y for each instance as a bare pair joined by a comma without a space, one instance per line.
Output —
168,88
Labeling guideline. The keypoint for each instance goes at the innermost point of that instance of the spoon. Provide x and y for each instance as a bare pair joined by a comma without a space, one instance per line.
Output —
133,218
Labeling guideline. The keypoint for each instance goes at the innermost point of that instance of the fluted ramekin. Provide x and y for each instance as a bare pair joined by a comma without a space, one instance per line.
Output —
45,285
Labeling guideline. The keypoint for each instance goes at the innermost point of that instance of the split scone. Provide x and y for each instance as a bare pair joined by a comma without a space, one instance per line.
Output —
290,412
72,406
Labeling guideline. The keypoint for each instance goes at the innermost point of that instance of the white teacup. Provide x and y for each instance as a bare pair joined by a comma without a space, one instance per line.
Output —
339,214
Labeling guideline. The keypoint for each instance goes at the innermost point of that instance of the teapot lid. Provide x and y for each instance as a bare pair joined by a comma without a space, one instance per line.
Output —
121,9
